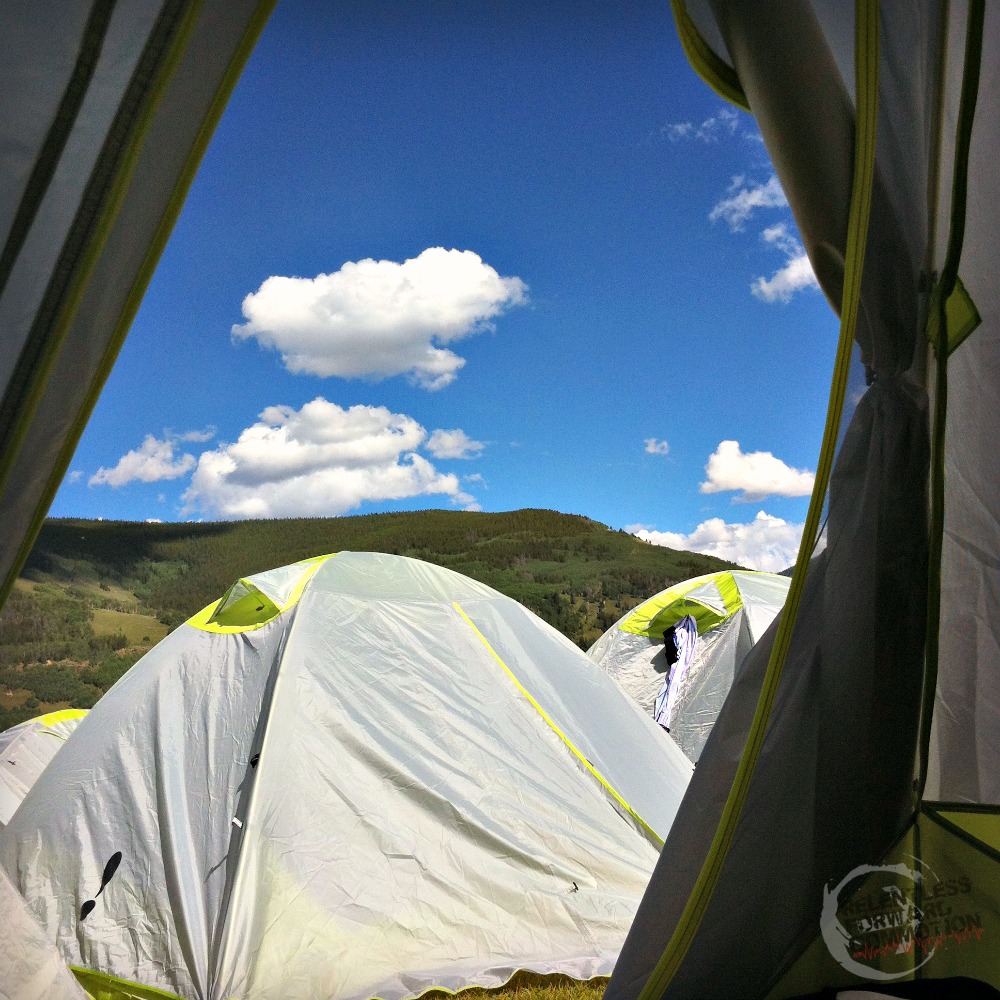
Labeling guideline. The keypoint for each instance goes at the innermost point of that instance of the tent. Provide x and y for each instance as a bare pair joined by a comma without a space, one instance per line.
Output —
856,759
843,823
25,751
30,966
731,610
362,775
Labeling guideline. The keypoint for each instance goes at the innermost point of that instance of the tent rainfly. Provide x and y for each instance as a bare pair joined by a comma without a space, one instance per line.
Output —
731,610
25,751
362,775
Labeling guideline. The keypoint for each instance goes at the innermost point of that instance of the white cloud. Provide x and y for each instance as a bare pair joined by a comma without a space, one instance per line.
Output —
755,475
75,476
743,199
474,477
654,447
725,122
151,462
466,502
767,543
200,437
154,520
453,444
795,276
377,318
322,460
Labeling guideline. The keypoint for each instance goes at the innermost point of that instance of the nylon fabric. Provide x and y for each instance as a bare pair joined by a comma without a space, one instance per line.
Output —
26,750
788,803
632,652
30,966
352,800
964,760
105,215
156,772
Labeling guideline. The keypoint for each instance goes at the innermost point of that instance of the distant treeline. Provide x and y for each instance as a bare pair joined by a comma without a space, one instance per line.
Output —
575,573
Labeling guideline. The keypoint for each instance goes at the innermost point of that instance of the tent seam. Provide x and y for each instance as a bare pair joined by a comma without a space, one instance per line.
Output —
644,827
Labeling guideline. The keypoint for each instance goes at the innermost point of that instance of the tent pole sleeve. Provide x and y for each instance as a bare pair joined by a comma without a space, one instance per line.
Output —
866,70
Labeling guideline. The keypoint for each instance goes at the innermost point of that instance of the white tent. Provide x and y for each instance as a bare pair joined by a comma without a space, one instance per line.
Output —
358,776
731,610
25,751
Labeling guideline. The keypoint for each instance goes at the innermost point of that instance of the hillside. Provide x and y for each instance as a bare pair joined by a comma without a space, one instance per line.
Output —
95,595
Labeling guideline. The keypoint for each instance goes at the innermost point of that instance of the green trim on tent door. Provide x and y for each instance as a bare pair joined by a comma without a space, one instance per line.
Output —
719,75
866,64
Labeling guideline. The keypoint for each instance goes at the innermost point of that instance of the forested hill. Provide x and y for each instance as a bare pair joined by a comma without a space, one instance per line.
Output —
94,595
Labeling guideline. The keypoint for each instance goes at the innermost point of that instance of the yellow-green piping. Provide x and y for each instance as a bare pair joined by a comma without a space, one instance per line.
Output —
103,986
866,70
644,827
60,715
717,73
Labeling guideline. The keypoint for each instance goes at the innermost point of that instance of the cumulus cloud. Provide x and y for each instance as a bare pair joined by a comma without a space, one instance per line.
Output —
322,460
767,543
754,475
377,318
744,199
453,444
151,462
654,447
795,276
725,122
75,476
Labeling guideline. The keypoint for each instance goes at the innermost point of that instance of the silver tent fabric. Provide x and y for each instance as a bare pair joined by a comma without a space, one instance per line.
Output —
403,781
638,665
105,110
30,966
833,784
965,750
25,751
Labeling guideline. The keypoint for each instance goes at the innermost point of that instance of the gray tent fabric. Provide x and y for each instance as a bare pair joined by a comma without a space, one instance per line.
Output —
632,650
833,787
30,966
105,111
26,750
400,781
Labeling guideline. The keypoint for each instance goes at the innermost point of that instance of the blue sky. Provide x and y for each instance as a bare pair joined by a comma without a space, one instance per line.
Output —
475,256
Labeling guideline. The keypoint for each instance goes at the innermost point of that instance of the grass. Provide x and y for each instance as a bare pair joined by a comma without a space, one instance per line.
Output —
140,630
531,986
